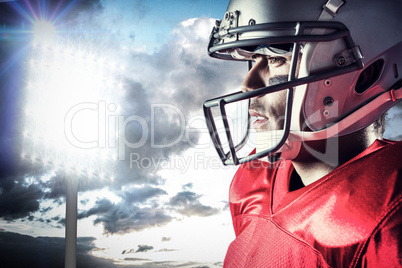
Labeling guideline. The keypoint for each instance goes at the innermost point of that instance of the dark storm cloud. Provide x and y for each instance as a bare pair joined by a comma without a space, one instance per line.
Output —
56,187
102,206
125,217
188,204
18,200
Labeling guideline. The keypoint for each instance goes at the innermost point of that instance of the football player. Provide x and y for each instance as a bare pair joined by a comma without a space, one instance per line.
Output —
322,188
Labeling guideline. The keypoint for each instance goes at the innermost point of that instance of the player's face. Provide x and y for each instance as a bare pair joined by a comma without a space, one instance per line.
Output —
269,109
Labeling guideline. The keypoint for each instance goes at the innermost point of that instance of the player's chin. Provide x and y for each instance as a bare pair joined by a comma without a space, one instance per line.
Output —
275,157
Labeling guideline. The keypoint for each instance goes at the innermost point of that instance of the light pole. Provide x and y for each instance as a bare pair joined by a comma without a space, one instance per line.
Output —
71,223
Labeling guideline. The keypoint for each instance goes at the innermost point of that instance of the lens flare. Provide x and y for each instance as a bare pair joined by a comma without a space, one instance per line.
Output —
43,32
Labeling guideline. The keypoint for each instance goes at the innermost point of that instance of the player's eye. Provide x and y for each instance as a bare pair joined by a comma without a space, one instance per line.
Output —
276,61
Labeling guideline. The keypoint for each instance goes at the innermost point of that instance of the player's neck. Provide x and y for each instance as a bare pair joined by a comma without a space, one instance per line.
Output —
318,158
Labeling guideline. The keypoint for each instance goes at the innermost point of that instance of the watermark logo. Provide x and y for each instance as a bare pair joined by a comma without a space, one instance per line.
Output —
115,131
112,130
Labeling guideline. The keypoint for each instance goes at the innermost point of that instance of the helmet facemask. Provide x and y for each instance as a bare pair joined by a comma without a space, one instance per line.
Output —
272,143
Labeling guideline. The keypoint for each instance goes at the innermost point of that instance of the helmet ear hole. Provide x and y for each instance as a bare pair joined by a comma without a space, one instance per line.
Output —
369,76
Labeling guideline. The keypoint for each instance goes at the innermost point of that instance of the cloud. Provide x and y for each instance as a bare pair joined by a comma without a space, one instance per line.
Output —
188,186
18,200
140,209
188,204
45,251
130,214
167,250
141,194
165,239
136,259
144,248
141,248
125,217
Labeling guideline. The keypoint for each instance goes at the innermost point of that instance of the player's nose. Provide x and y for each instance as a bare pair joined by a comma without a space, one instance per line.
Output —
256,77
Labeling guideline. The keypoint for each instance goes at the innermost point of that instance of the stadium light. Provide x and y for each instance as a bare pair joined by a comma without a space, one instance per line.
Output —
67,81
43,32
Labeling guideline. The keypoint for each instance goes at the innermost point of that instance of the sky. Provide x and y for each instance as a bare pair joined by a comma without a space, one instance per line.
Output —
108,95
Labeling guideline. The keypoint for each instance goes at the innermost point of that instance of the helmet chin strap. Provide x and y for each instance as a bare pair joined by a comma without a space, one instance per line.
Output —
290,150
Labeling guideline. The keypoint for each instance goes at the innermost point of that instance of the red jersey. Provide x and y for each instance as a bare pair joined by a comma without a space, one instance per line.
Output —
352,217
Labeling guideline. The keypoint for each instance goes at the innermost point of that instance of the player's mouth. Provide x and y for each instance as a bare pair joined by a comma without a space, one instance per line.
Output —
261,120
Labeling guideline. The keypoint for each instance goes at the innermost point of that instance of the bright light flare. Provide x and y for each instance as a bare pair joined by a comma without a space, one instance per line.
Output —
65,85
43,32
